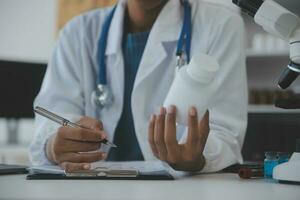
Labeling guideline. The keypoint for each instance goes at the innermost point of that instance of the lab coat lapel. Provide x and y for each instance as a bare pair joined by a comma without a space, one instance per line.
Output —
166,29
115,34
115,70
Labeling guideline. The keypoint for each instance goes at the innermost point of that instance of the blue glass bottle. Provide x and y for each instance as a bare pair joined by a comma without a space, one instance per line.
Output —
270,162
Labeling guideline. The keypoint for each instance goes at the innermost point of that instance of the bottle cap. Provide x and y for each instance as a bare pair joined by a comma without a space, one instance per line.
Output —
203,68
271,154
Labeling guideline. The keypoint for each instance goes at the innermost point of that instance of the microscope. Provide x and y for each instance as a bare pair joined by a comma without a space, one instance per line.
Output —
281,21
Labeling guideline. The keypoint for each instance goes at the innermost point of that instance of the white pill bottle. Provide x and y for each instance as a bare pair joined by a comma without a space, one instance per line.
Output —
193,86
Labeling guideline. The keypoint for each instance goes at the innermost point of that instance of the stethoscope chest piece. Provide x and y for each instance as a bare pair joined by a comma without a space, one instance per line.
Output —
102,96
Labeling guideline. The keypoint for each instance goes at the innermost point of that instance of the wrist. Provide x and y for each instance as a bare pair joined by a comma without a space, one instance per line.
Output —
49,149
191,166
198,164
202,162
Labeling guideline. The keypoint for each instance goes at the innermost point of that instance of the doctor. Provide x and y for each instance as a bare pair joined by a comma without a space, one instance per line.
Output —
139,66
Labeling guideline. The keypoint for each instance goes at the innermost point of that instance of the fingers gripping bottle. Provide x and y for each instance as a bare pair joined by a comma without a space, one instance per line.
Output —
193,86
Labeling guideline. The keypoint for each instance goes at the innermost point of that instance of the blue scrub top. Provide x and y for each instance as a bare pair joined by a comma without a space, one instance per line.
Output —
125,137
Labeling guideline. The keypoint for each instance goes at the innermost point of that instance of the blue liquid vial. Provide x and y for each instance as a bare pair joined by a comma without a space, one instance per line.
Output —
270,162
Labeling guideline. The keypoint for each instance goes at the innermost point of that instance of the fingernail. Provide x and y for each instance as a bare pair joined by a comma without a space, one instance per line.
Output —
162,111
103,135
104,156
86,166
193,111
171,110
152,118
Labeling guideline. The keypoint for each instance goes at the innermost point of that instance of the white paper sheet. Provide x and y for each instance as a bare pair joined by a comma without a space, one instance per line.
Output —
46,169
141,166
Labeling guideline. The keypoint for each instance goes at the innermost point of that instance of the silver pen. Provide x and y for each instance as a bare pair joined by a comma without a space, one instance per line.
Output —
64,122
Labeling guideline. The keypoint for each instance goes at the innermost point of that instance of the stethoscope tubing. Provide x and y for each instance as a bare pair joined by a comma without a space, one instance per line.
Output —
183,46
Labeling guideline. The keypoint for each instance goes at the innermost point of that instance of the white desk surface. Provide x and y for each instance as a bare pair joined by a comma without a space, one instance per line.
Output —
201,187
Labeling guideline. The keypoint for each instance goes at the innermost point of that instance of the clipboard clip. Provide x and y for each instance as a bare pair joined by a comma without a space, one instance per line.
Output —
103,172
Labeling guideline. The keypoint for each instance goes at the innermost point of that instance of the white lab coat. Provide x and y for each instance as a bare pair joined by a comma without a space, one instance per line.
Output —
72,73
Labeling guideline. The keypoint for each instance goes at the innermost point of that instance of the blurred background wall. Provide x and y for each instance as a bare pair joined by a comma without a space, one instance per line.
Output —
29,28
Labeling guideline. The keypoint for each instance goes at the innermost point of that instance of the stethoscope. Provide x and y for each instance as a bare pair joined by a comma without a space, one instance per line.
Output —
102,96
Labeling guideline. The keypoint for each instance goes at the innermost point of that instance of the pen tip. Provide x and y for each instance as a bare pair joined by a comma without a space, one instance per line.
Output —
111,144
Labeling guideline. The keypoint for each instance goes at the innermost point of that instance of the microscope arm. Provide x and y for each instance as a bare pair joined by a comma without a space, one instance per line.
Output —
295,46
281,22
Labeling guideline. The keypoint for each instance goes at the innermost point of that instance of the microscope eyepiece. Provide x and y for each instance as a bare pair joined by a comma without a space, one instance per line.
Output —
249,6
289,75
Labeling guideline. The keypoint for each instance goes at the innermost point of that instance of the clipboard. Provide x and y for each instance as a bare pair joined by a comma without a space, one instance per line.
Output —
112,175
12,169
105,171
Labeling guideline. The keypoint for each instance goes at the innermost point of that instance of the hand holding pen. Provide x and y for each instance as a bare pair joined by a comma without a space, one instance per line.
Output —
71,146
